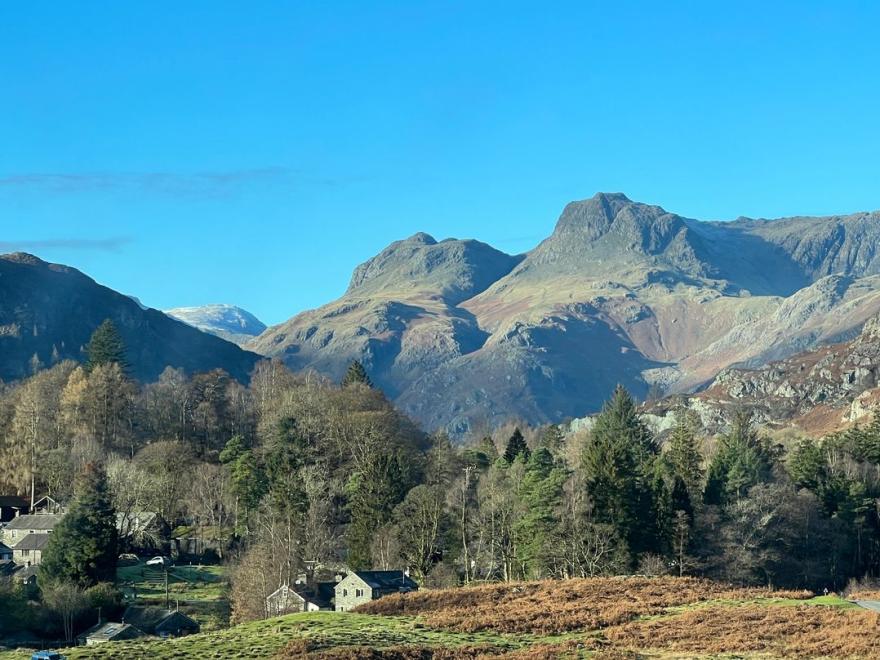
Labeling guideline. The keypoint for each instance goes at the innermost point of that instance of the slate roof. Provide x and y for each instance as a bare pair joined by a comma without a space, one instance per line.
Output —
4,549
386,579
148,618
25,572
321,594
108,631
40,521
32,542
133,523
324,594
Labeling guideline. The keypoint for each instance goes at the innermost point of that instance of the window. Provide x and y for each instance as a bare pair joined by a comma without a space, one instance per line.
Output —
345,592
358,593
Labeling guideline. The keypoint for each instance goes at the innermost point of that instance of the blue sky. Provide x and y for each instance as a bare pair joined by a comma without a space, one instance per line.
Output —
254,153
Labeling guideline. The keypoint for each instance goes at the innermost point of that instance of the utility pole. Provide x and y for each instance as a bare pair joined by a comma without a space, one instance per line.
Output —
166,587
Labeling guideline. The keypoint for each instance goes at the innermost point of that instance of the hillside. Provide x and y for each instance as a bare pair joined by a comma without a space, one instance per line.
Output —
228,322
816,392
462,336
50,311
600,617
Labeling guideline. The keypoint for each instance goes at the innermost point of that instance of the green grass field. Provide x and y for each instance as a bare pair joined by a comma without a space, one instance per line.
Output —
262,639
202,591
331,630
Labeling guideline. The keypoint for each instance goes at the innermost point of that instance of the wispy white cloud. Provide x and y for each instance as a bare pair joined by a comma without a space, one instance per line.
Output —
113,244
196,184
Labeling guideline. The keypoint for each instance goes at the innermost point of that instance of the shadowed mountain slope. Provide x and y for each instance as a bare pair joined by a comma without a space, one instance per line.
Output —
50,311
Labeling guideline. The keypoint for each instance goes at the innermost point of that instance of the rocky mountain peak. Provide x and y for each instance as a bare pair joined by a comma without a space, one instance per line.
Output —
226,321
621,292
456,269
23,258
617,223
421,238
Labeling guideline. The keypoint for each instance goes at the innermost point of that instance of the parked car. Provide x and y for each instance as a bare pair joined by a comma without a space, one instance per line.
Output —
48,655
128,559
160,562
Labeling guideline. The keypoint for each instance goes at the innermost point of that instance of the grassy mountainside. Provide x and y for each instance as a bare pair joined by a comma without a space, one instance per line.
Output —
621,292
607,618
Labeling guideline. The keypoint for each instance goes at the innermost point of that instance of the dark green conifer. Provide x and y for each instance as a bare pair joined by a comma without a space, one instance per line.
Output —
356,374
618,464
105,347
516,446
83,547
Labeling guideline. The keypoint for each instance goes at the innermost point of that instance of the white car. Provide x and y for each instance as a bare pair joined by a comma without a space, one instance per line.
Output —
161,562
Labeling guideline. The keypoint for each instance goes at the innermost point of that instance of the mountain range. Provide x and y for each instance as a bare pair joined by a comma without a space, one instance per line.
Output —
463,336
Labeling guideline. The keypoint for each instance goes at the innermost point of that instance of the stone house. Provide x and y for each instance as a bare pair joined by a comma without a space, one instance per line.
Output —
361,587
33,523
29,550
285,600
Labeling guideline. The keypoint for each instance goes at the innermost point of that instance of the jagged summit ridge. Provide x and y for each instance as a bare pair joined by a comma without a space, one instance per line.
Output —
461,334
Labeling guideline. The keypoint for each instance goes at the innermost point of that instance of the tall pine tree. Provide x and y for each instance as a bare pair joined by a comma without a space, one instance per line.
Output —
516,446
356,374
82,548
618,464
683,459
372,495
106,347
743,460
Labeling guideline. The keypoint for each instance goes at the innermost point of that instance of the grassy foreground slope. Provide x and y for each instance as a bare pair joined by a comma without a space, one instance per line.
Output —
603,617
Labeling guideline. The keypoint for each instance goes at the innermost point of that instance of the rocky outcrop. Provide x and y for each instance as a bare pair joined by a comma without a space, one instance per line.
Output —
816,391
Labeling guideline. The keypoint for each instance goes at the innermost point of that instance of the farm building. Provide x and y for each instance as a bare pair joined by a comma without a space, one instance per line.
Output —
109,632
361,587
159,621
299,598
